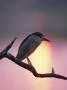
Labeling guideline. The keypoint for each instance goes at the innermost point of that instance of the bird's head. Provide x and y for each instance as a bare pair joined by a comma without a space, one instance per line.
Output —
40,36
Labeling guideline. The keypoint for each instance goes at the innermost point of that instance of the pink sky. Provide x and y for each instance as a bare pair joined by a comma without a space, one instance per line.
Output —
18,20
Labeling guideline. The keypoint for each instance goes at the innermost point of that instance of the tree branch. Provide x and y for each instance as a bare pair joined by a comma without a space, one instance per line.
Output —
30,68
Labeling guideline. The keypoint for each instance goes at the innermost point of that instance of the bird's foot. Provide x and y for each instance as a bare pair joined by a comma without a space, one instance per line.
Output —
29,62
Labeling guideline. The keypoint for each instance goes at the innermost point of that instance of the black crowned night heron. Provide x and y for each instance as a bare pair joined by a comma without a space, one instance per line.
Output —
29,45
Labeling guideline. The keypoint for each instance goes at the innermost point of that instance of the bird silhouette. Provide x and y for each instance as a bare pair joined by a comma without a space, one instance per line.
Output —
29,45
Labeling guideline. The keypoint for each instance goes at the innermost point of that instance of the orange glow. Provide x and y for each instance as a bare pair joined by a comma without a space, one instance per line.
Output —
41,58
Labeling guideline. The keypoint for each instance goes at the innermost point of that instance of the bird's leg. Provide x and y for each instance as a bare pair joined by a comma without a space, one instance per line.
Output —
29,62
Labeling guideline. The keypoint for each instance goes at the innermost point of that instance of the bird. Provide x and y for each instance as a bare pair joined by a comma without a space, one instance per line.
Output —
29,45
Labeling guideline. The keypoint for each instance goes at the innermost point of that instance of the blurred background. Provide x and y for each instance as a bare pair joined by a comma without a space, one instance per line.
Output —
22,17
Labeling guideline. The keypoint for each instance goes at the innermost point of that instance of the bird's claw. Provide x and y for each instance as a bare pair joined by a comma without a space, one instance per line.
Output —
29,62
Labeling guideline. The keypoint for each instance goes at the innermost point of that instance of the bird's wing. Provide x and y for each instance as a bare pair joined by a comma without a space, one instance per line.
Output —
24,49
23,42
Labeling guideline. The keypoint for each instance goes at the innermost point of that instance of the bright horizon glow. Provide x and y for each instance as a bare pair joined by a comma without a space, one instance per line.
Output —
41,58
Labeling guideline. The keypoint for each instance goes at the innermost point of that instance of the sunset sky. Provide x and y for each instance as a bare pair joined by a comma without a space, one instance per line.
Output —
22,17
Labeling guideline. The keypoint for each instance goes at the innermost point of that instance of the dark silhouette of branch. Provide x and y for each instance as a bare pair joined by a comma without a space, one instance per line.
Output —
29,67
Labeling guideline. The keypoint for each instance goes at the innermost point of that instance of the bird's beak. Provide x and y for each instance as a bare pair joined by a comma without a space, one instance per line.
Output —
45,39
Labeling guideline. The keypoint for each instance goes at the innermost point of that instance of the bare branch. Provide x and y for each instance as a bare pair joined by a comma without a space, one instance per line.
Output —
30,68
4,52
